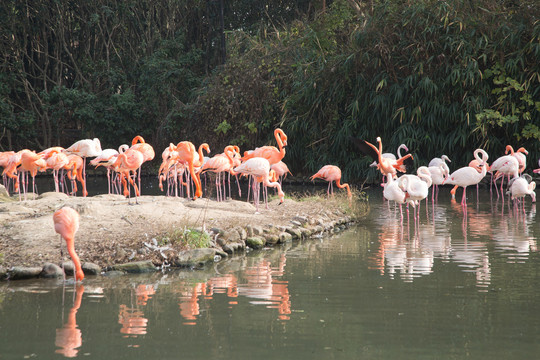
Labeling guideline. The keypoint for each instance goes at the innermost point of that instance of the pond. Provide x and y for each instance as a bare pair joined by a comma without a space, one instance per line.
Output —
453,286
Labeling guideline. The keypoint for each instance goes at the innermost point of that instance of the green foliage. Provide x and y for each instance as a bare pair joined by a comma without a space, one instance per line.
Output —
514,107
192,238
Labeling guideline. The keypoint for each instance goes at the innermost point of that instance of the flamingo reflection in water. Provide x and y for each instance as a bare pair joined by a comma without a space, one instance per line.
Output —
132,318
69,337
260,284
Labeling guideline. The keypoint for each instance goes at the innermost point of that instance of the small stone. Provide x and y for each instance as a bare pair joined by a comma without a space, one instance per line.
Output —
19,273
136,267
255,242
285,237
51,270
242,232
295,232
296,223
195,258
91,269
272,239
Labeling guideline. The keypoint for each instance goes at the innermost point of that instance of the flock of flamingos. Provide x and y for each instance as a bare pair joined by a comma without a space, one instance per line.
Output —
182,164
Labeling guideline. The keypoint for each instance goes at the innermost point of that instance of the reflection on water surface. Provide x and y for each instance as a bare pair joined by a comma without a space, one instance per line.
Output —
453,285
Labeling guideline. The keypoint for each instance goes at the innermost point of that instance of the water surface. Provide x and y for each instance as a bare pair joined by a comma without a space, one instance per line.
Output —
455,285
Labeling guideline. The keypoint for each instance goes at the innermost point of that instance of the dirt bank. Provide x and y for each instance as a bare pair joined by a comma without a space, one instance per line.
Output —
112,231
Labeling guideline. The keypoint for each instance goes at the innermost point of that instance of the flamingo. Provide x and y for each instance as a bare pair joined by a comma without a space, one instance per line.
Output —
271,153
74,171
520,187
146,149
467,175
442,160
392,192
260,169
438,174
56,160
4,160
85,148
126,162
218,164
331,173
281,170
107,158
416,187
66,223
520,155
392,156
387,167
186,154
30,162
505,165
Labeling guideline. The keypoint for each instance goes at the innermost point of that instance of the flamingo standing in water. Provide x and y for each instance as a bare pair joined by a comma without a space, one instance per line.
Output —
85,148
416,187
66,223
468,175
392,192
387,167
507,165
260,169
331,173
520,187
271,153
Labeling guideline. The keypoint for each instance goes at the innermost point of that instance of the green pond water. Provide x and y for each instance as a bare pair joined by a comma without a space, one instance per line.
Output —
453,286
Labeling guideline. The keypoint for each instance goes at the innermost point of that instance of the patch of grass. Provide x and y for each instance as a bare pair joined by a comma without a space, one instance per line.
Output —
188,237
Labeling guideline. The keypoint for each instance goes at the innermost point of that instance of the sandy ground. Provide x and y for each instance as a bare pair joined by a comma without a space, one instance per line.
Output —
113,231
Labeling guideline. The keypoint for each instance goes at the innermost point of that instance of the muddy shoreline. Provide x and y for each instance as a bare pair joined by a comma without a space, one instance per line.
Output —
116,235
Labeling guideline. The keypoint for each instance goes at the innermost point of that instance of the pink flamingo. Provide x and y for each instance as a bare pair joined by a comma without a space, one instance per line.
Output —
220,163
66,223
260,169
127,162
85,148
271,153
331,173
387,167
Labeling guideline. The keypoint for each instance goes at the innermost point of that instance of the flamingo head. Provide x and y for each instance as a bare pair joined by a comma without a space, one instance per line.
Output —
523,150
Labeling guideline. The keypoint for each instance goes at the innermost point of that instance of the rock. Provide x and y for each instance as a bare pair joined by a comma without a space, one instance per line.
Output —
3,273
3,191
19,273
256,242
232,236
136,267
301,219
195,258
295,232
285,237
51,270
255,230
91,269
242,232
305,232
232,248
69,267
272,239
296,223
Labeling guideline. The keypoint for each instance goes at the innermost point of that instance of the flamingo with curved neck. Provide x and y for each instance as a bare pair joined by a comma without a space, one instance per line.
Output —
66,223
270,153
468,175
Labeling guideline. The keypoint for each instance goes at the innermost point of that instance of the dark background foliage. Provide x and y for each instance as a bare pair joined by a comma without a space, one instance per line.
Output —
443,77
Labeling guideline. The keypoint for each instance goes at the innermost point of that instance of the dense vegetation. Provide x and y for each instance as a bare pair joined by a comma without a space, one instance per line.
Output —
443,77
